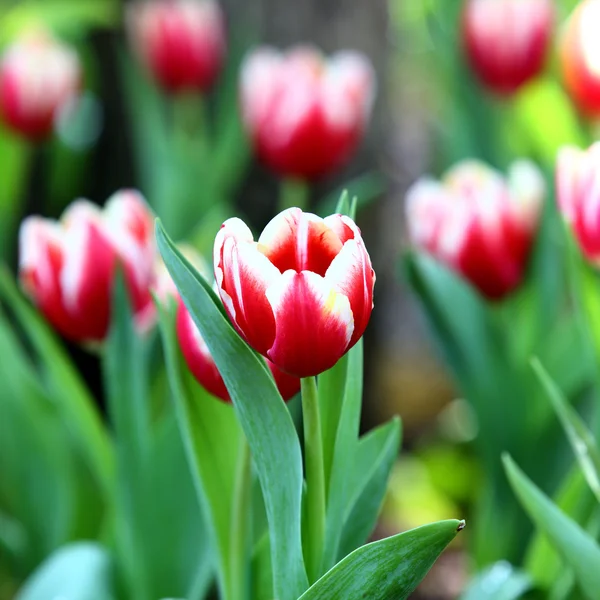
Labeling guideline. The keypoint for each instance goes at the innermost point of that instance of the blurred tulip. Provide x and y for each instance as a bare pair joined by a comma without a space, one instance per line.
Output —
578,196
38,76
306,114
506,41
202,366
68,267
181,42
580,57
478,223
302,296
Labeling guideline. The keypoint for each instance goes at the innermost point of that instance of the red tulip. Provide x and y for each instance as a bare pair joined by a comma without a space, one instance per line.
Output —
580,57
203,367
506,41
38,77
306,114
478,223
181,42
578,196
302,296
68,267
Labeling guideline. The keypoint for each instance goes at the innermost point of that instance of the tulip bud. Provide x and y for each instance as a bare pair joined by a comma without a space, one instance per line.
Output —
303,295
181,42
306,114
203,368
506,41
578,196
38,77
580,57
478,223
68,267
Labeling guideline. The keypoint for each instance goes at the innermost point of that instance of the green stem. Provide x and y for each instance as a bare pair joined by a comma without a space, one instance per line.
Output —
315,477
293,192
240,524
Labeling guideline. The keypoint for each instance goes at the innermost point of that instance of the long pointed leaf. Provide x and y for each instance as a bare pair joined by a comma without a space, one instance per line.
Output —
390,568
576,547
264,418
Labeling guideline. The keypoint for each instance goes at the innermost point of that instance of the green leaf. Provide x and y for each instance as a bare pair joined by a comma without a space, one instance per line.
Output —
575,499
581,439
81,571
126,371
60,15
264,418
576,547
501,581
74,403
374,458
211,436
331,387
389,568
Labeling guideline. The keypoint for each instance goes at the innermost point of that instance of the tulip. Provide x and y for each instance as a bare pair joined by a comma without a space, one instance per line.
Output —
580,57
68,267
38,77
506,41
478,223
303,294
203,368
578,196
305,114
181,42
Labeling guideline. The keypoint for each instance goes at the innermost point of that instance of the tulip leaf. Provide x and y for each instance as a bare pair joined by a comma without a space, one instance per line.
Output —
263,416
79,571
501,581
581,439
74,403
578,549
374,458
575,499
389,568
205,424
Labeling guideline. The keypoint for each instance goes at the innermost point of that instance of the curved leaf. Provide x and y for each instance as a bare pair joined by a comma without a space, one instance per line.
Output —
262,414
387,569
577,548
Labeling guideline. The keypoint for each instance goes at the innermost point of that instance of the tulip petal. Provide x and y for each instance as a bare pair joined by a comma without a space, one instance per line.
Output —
40,264
87,277
242,281
197,355
299,241
352,275
314,323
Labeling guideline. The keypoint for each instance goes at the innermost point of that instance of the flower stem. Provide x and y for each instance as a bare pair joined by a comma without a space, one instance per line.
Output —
240,524
293,192
315,478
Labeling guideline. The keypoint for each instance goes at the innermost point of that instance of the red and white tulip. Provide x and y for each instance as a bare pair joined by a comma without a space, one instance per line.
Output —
38,77
68,267
181,42
479,223
203,368
506,41
578,196
306,114
303,294
580,57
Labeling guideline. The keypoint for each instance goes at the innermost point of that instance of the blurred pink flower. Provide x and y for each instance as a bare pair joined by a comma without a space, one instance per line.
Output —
304,113
181,42
38,76
506,41
68,267
479,223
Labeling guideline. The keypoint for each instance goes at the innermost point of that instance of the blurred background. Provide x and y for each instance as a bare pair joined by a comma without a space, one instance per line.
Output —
430,112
